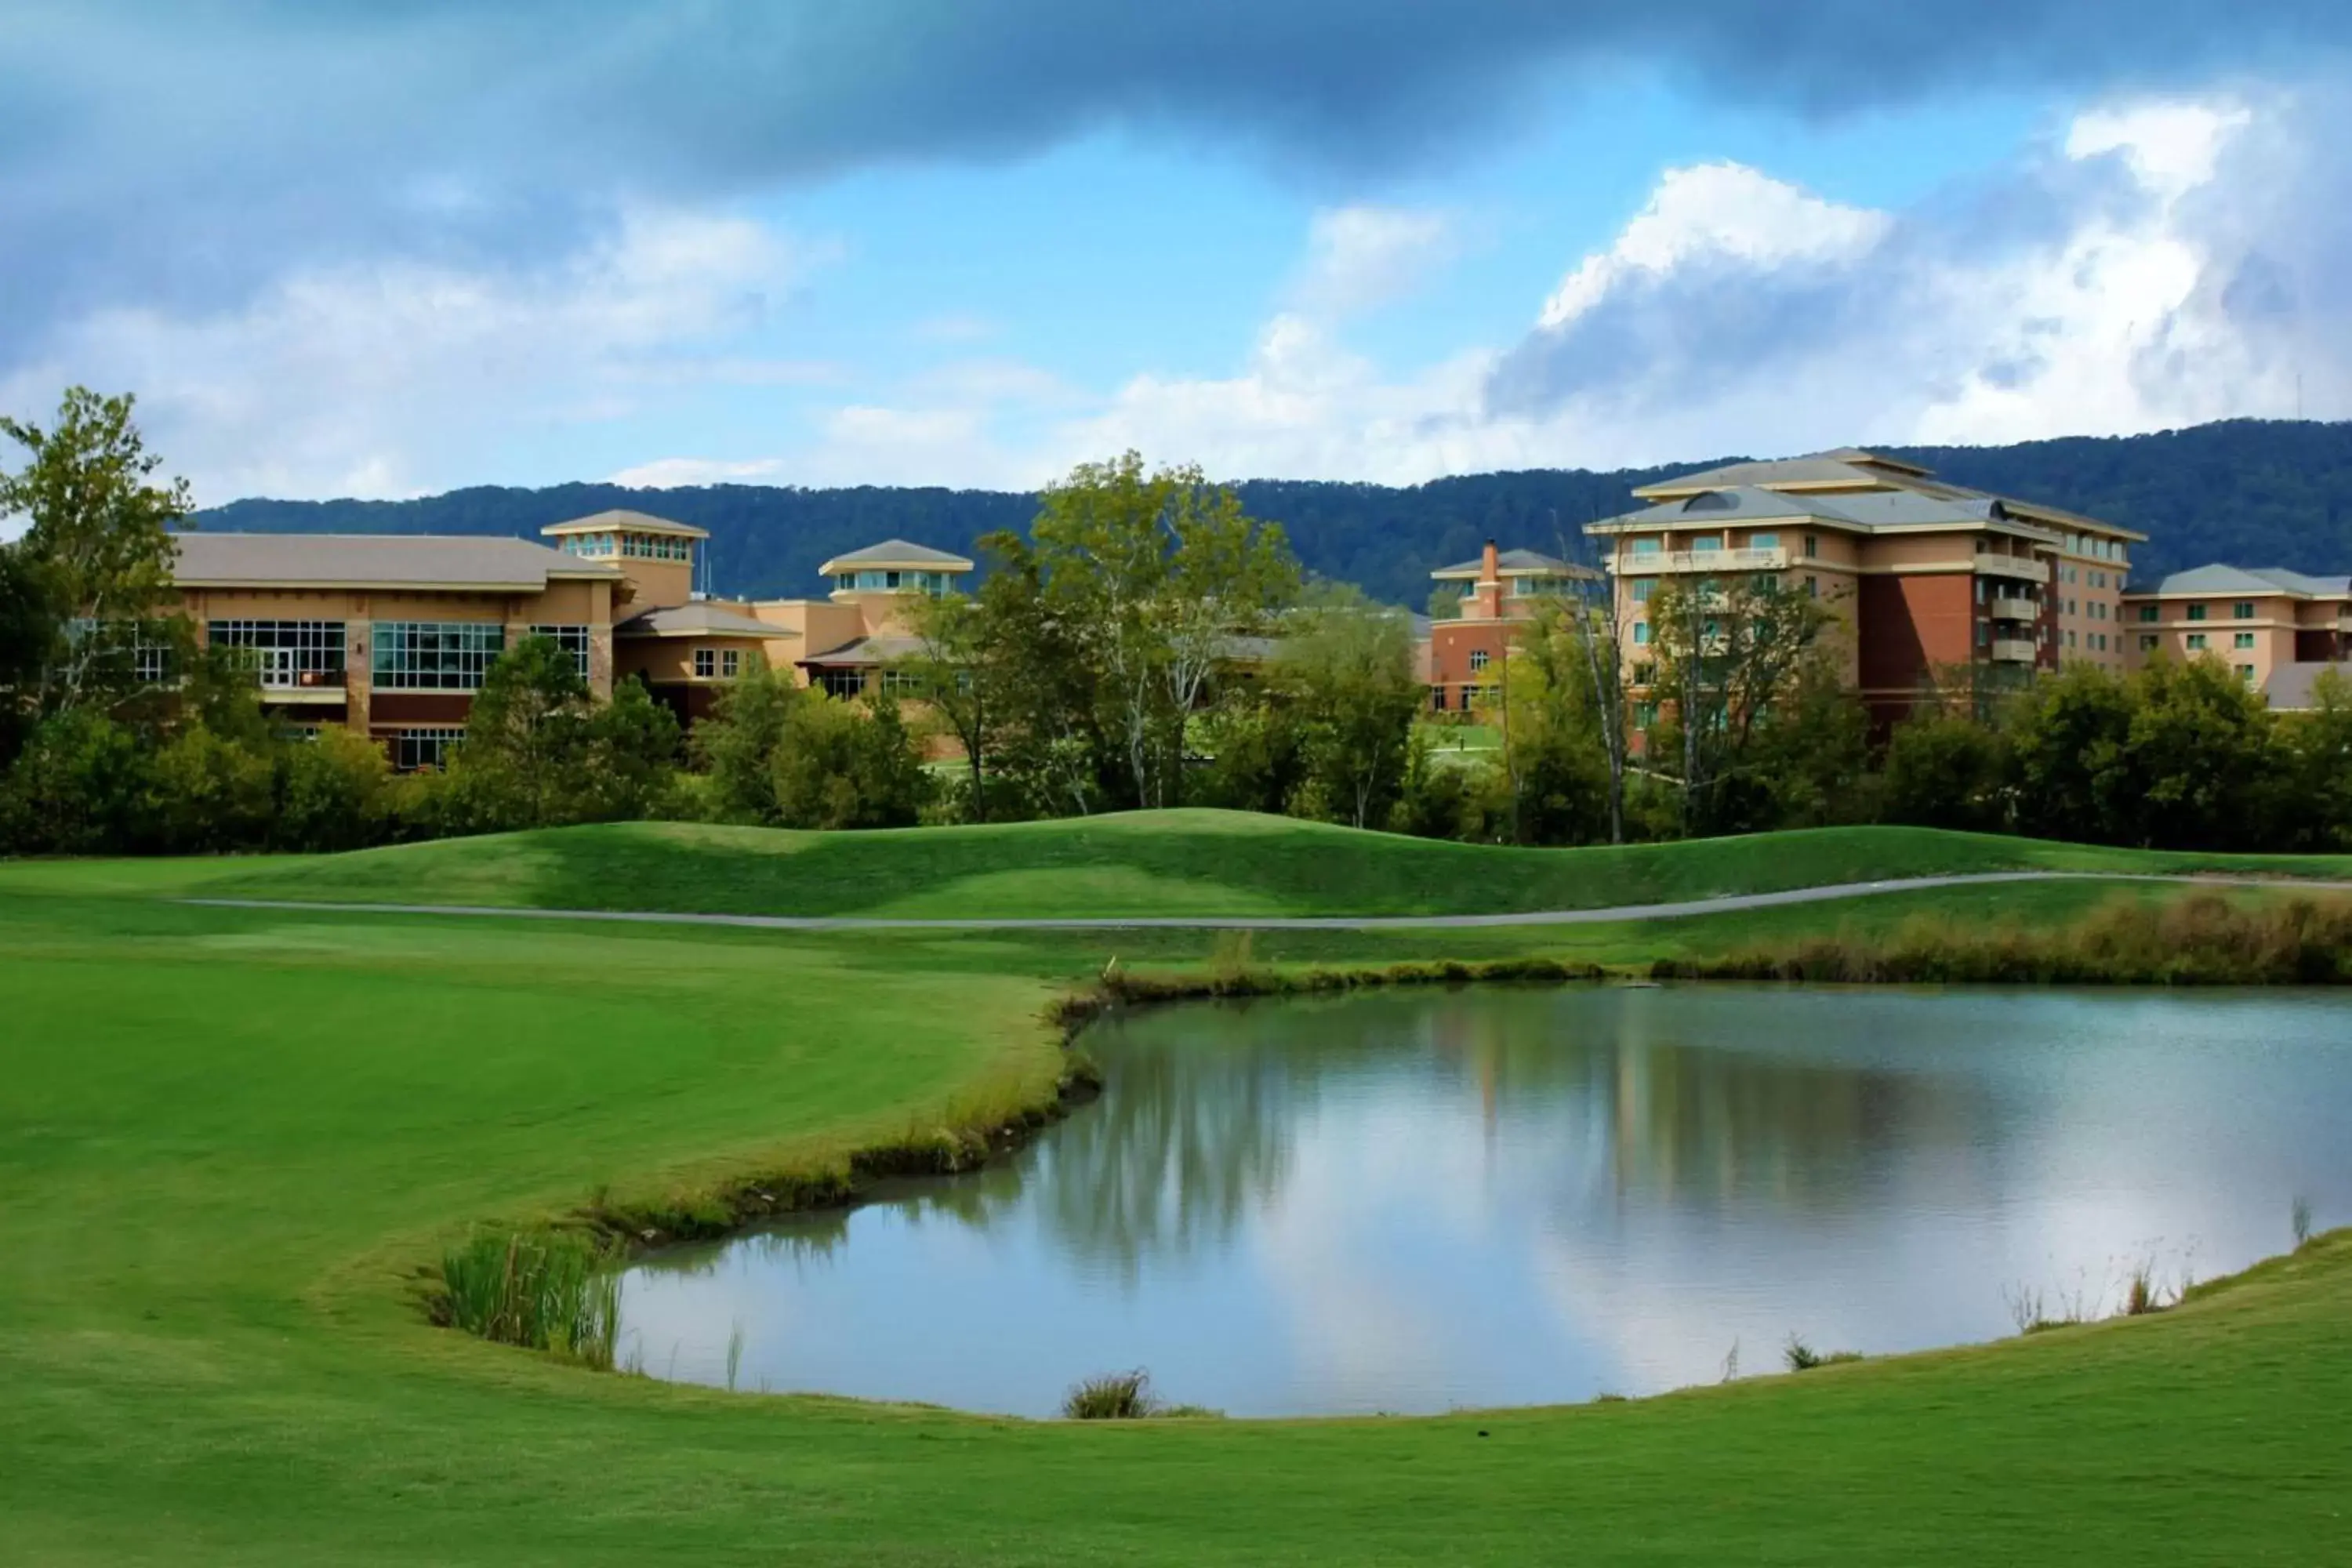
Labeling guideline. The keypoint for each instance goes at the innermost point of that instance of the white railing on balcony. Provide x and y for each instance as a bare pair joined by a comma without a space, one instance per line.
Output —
2007,609
1642,564
2012,650
2018,566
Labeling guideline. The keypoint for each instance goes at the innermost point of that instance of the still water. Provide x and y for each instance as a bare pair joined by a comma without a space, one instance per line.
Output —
1414,1200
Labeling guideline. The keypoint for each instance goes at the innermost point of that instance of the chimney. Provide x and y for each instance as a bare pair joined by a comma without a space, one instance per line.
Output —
1488,594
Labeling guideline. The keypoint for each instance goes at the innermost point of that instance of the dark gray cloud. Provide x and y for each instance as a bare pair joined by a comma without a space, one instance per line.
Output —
177,153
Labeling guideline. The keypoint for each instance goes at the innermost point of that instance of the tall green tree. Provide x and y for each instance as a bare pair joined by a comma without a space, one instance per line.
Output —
2318,749
1150,578
100,542
28,639
1346,664
1555,732
1729,655
527,737
737,743
962,673
1947,769
847,763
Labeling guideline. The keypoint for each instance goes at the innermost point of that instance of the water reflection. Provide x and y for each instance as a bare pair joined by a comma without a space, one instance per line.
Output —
1407,1201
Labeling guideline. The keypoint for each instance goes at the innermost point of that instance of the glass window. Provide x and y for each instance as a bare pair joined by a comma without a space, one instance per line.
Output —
1707,541
572,640
1643,588
1641,634
2149,613
1646,714
434,656
842,682
286,653
902,683
2146,643
2242,639
2246,673
2243,610
706,663
2196,612
1812,588
1477,659
1812,545
414,749
2197,642
1763,541
1647,545
730,662
1437,698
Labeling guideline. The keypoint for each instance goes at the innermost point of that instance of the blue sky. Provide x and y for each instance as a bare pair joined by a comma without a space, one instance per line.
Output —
392,248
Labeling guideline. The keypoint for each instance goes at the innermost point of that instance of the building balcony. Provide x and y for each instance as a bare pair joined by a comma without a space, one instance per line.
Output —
2012,650
1660,561
323,687
2008,609
2021,567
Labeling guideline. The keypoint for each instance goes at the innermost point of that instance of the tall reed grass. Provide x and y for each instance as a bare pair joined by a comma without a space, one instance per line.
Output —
554,1291
1114,1396
2203,939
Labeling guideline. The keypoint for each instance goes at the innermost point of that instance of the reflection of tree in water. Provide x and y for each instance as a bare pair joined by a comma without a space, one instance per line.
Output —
1193,1134
1706,1123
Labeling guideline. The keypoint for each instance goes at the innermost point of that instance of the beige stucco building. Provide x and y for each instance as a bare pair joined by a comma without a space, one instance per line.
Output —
391,635
2274,629
1925,575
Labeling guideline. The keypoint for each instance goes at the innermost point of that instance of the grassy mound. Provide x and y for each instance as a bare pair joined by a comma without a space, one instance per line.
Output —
1148,863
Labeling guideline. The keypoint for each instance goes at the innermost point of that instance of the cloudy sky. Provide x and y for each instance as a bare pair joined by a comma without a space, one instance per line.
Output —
393,247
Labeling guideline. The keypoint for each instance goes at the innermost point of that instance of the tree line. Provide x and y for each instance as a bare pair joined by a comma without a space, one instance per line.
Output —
1146,642
2258,492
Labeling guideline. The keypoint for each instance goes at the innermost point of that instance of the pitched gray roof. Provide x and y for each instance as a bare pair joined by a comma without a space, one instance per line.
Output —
2217,578
2290,687
1850,465
375,560
696,620
1517,564
898,553
1846,464
620,517
861,653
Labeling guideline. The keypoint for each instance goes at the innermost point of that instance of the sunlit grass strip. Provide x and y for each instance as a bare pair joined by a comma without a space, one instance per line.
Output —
2203,939
551,1291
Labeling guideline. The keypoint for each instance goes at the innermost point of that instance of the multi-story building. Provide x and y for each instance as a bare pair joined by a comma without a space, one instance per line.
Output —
2277,629
1928,576
391,635
1500,590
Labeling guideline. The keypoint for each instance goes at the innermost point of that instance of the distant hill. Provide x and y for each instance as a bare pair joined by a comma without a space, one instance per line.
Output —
2251,493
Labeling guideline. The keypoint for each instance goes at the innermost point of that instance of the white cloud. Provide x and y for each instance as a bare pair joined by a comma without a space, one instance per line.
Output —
2172,147
672,473
1361,258
1715,213
360,380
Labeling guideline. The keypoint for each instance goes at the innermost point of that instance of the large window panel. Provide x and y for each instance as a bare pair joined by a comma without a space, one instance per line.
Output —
572,640
434,656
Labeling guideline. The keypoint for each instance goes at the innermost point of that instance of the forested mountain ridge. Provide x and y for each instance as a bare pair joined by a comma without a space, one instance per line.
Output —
2251,493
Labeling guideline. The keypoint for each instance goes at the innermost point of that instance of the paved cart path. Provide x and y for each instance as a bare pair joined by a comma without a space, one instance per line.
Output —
1724,904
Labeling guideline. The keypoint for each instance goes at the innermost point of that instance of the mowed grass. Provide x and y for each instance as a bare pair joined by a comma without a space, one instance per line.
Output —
228,1140
1192,862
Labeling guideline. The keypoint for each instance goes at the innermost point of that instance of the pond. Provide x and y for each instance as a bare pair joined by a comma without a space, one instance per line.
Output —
1417,1201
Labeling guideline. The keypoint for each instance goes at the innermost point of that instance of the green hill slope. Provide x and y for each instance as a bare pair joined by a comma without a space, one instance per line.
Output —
1147,863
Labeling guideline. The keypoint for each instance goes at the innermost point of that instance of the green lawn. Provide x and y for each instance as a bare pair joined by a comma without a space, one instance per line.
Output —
1171,862
229,1138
